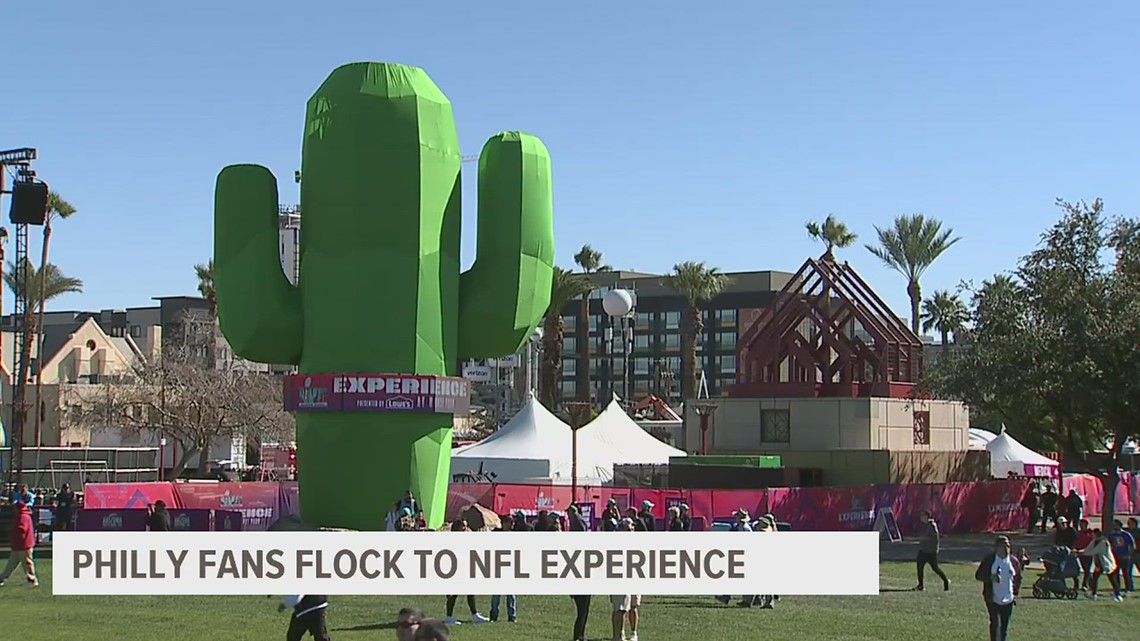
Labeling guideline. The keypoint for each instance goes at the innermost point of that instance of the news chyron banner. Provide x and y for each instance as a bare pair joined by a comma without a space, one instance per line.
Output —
440,563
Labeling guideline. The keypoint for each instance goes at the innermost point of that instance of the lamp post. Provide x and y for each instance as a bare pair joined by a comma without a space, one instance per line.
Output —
532,348
578,411
705,411
620,304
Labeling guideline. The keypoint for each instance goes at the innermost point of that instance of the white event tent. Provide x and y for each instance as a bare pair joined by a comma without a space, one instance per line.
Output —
533,447
980,438
1008,456
624,441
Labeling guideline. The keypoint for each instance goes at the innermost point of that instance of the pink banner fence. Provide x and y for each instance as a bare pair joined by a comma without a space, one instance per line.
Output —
960,507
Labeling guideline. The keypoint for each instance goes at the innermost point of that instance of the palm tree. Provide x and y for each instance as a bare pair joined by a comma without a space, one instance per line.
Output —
946,313
205,276
590,260
56,207
565,287
52,284
831,233
910,247
697,283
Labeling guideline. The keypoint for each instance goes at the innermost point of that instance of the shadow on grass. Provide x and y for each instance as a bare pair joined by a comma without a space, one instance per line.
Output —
881,590
366,627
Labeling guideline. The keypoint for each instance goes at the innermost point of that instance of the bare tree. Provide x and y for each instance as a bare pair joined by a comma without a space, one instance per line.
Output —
183,397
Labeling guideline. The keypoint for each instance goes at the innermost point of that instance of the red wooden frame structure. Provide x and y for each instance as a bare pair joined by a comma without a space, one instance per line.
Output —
827,334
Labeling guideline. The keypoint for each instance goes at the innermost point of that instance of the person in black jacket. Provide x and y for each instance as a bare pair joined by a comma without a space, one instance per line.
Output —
1000,576
610,516
310,614
157,518
673,522
686,518
648,521
1049,507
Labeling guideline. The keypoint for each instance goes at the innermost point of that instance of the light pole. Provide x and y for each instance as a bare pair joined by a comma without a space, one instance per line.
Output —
578,411
705,412
532,348
620,303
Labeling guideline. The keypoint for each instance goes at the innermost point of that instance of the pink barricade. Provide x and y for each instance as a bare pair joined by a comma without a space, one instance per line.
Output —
960,507
119,520
257,502
118,496
1127,499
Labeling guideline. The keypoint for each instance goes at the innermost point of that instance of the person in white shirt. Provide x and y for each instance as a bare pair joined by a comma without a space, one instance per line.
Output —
310,614
1000,575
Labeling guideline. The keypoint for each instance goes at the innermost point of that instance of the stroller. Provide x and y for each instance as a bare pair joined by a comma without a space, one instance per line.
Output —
1061,567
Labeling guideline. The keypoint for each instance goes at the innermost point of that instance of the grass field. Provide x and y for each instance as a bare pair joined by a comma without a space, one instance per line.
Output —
33,615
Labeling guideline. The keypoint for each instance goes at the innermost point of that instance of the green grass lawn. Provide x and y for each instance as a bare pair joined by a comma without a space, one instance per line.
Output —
31,615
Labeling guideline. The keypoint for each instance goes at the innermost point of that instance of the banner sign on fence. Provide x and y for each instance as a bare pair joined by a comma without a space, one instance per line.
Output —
383,563
110,520
377,393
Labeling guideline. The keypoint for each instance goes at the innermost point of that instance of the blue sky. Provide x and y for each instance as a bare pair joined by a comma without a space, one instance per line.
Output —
676,133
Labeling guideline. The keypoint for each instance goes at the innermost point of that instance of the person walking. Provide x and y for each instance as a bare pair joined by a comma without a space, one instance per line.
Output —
1032,504
1074,506
673,521
310,614
928,549
22,540
1104,563
157,518
1133,527
686,518
576,522
1082,540
1049,508
625,606
766,523
1000,576
461,526
1124,549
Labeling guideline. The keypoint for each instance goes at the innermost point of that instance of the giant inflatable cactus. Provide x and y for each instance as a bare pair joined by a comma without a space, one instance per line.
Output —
380,289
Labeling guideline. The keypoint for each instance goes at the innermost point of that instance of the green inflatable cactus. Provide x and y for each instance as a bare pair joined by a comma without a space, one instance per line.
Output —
380,289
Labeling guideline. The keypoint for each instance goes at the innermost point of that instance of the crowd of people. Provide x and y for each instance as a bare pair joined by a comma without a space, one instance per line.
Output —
1001,572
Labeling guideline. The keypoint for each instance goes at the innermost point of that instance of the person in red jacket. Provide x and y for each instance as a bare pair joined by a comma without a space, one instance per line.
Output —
22,538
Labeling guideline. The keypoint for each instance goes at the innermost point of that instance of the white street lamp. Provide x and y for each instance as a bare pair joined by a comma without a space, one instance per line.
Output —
620,304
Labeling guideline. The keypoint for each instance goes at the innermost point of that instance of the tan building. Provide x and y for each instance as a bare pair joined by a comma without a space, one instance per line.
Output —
77,359
748,425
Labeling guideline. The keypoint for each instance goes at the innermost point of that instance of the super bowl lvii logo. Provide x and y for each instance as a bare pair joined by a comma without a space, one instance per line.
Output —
311,396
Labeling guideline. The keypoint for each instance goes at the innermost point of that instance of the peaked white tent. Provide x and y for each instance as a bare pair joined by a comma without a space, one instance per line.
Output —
624,441
534,446
1008,456
980,438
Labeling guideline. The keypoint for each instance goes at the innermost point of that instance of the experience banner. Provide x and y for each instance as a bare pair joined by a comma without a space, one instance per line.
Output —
377,393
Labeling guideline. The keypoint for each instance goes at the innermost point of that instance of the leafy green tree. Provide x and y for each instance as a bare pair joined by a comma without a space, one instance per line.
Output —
1053,350
565,287
945,313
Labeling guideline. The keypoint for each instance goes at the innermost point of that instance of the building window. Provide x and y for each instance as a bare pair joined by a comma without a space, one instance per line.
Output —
569,323
641,366
641,341
567,388
136,331
728,317
569,366
570,344
922,427
726,364
775,426
726,340
673,342
641,320
672,320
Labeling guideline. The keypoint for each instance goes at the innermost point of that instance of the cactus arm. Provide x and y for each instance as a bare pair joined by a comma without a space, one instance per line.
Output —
259,310
504,295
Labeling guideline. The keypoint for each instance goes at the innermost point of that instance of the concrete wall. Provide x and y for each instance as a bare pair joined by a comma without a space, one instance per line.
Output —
820,424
